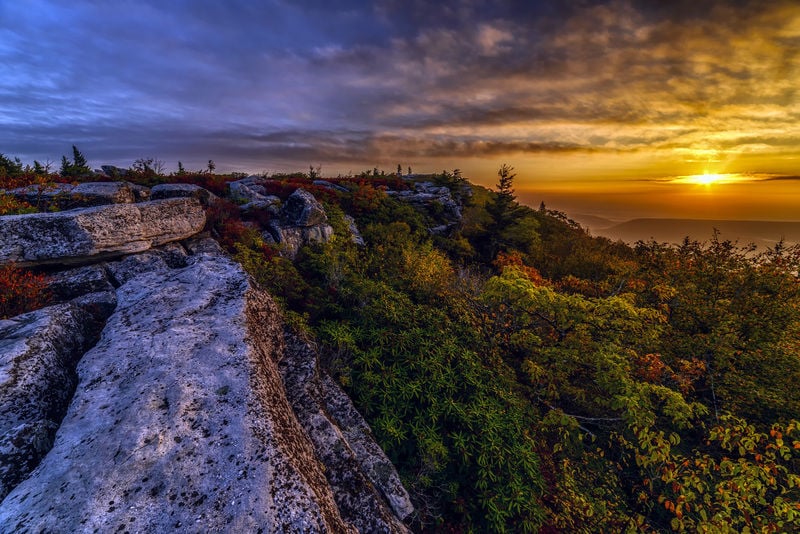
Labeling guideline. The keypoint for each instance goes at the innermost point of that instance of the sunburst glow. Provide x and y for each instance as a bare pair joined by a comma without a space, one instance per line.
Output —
711,179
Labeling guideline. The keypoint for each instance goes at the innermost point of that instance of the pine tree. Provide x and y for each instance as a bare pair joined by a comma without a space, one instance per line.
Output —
9,167
503,208
79,161
504,211
78,167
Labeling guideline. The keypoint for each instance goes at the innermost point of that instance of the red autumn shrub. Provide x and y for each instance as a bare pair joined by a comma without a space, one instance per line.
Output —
20,291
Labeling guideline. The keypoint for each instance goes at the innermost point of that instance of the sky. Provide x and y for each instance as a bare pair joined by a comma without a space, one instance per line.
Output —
617,108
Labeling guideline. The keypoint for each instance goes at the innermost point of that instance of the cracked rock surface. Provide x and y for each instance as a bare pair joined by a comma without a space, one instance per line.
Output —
180,420
38,354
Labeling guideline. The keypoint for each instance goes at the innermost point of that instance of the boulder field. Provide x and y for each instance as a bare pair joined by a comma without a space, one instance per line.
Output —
165,393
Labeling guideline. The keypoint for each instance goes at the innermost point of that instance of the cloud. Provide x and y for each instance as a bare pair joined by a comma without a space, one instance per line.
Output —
300,81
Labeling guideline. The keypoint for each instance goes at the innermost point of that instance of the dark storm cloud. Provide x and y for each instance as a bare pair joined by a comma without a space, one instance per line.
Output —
304,82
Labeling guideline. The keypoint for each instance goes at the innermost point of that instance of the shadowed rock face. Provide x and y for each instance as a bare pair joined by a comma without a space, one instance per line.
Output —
302,209
38,354
88,234
180,420
362,478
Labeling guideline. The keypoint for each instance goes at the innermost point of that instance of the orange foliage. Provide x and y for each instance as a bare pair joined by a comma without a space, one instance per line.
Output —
367,198
20,291
514,259
11,206
651,368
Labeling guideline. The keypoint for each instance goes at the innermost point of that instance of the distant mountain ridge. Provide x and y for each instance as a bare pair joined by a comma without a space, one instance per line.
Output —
762,233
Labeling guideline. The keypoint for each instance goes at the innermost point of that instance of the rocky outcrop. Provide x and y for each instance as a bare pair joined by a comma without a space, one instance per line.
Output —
355,234
181,421
112,171
292,238
38,354
162,191
362,478
89,234
437,201
302,220
247,190
370,457
68,196
302,209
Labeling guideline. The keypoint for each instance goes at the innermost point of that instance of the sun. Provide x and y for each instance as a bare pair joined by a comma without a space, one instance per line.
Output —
705,179
709,179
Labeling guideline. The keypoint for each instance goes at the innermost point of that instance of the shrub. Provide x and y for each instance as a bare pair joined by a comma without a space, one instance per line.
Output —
20,291
11,206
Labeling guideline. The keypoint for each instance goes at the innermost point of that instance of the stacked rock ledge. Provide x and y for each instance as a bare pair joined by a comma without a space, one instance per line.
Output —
88,234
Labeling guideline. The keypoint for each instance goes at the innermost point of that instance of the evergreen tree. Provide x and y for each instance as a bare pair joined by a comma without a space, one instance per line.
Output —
504,212
77,167
9,167
79,161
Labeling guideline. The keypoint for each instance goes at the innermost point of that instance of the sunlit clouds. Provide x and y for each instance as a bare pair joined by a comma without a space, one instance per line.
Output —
599,95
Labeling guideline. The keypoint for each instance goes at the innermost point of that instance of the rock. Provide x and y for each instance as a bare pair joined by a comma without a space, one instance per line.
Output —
180,421
203,245
182,191
355,235
292,238
247,190
21,450
372,499
100,193
100,305
169,256
271,204
173,253
66,285
42,196
302,220
266,236
90,234
302,209
113,171
38,354
140,192
436,201
131,266
371,458
68,196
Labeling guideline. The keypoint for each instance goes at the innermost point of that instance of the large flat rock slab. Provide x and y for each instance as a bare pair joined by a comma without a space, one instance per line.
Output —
180,421
69,196
89,234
